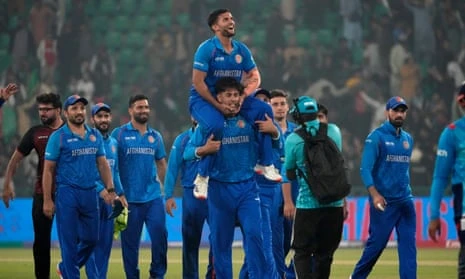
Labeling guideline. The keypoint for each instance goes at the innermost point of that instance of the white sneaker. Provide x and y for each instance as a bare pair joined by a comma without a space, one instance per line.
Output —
270,172
201,187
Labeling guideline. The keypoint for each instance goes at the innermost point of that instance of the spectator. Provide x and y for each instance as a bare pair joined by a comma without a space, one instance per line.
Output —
351,12
47,55
41,19
103,68
409,79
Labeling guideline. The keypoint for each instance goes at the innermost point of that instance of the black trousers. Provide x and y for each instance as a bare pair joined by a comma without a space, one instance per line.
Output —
317,233
42,235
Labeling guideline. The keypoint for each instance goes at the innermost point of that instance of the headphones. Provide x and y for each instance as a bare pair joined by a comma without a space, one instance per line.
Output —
295,112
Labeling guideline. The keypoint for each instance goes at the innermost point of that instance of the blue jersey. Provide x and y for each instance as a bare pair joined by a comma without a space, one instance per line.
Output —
278,155
295,158
385,162
212,59
176,164
237,157
291,126
1,102
136,161
450,161
111,154
75,157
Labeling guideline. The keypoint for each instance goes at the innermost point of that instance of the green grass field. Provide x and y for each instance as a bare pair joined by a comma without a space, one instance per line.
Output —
432,263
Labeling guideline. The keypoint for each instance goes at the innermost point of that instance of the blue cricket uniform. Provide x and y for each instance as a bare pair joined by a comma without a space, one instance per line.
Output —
270,211
450,164
285,232
1,102
212,59
138,173
233,196
194,211
97,264
76,198
385,165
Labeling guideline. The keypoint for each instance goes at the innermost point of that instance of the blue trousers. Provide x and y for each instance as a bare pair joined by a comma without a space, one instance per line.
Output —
402,217
267,196
457,190
194,215
228,203
287,233
77,216
212,121
97,264
152,214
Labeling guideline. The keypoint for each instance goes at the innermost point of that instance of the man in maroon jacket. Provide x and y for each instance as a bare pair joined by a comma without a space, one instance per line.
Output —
49,107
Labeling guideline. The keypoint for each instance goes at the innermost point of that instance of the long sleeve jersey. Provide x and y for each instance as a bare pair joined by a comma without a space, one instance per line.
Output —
386,161
450,162
177,164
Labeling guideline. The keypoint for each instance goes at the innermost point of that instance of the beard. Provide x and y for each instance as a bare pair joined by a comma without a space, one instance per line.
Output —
228,33
103,127
141,118
47,121
77,121
398,122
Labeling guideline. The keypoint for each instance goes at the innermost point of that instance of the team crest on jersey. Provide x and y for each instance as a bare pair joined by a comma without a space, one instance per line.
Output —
238,58
113,149
240,124
151,139
92,138
406,144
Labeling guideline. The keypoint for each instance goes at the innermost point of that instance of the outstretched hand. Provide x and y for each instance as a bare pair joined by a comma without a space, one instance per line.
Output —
8,91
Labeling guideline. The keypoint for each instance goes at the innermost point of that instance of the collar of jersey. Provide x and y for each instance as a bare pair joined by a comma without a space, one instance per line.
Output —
390,128
130,127
218,44
68,130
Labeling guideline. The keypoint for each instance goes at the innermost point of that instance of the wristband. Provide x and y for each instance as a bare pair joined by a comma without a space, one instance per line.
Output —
111,190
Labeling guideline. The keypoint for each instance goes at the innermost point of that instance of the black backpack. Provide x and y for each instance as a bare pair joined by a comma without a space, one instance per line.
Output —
325,172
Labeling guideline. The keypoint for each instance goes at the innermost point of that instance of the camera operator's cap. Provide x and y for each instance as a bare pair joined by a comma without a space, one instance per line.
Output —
461,93
305,105
100,106
394,102
263,92
71,100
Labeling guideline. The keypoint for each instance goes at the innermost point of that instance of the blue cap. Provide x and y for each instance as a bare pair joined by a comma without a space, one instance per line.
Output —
71,100
263,92
100,106
394,102
305,105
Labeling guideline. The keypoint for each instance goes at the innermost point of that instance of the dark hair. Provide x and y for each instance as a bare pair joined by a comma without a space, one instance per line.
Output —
226,83
322,108
136,98
213,16
49,98
278,93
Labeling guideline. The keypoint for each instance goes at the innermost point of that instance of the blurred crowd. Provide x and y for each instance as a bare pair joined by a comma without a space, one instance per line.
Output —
351,55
